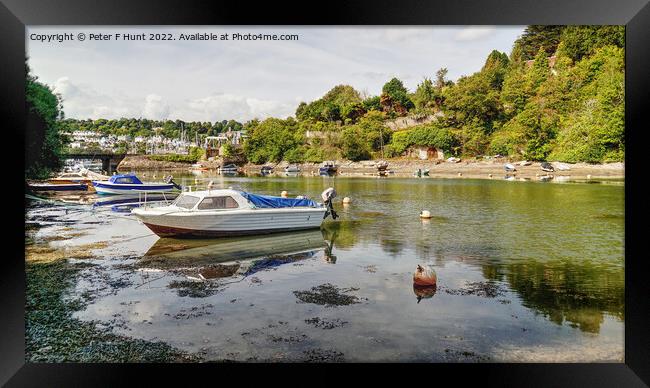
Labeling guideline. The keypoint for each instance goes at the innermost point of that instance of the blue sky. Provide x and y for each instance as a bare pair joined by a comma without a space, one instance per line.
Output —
241,80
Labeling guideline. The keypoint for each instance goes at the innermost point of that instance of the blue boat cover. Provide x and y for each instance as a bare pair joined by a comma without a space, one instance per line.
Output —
267,201
125,179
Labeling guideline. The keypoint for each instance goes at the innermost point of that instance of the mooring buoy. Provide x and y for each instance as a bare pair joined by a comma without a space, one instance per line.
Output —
346,200
425,214
284,194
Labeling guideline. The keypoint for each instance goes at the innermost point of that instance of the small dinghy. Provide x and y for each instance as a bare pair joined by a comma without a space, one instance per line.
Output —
509,167
229,168
562,167
546,166
328,168
129,184
292,168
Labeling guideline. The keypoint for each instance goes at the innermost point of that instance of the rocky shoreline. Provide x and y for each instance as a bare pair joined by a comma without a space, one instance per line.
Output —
484,169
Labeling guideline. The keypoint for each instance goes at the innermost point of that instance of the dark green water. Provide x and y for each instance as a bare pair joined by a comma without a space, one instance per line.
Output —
526,271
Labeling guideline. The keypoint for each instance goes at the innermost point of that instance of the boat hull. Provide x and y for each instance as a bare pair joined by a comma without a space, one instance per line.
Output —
109,188
230,223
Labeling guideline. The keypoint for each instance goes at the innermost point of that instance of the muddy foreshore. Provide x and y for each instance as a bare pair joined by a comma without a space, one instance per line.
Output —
475,169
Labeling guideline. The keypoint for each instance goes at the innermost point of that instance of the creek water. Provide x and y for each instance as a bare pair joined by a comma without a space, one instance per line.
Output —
526,272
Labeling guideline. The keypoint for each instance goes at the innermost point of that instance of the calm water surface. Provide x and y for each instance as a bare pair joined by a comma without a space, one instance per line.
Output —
527,271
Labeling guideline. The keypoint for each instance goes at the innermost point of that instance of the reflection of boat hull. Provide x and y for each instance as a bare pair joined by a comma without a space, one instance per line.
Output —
58,187
224,231
213,251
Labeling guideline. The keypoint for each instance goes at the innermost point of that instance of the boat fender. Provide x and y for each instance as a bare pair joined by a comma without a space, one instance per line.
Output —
425,276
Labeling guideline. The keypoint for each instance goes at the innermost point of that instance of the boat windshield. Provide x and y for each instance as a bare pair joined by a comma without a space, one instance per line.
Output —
186,201
218,203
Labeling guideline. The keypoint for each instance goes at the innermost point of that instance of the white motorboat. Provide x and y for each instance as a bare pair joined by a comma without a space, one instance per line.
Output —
227,212
129,184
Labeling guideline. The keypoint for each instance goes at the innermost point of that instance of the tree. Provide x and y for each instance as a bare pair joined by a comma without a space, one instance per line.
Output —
534,37
398,99
44,141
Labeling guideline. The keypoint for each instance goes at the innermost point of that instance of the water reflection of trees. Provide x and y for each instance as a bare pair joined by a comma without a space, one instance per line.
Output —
571,291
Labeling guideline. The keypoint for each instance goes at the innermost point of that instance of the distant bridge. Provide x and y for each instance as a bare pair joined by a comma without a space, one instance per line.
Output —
110,161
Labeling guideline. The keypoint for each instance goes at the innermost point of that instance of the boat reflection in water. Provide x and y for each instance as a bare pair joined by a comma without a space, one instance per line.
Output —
248,252
123,203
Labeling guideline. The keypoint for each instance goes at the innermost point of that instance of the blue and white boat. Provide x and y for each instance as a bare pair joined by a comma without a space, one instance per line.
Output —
129,183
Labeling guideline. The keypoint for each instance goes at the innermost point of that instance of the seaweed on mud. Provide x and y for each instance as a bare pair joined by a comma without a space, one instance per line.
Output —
327,295
53,335
323,355
464,355
193,289
482,289
324,323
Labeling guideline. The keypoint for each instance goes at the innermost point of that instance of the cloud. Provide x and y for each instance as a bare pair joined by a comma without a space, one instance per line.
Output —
155,108
224,105
80,101
475,33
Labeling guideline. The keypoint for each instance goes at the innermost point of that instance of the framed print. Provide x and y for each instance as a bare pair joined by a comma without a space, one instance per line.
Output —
453,185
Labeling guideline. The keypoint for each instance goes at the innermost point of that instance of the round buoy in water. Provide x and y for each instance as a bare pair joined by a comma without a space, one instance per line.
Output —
425,214
284,194
347,200
424,276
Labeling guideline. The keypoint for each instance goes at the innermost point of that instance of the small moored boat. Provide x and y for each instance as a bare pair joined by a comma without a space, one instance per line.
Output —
229,168
129,183
328,167
546,166
509,167
292,168
266,170
227,212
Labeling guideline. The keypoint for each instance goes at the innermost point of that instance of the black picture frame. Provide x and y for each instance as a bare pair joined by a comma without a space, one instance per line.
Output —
635,14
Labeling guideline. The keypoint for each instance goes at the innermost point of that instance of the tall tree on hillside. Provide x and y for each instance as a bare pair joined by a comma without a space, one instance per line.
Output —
534,37
395,97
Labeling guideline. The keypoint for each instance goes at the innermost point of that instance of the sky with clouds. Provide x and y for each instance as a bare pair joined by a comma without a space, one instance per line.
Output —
241,80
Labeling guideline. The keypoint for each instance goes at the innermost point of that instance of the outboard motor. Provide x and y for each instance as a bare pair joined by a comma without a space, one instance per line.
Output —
328,195
170,179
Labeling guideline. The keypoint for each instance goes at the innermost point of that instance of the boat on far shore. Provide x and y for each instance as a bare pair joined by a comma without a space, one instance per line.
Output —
292,168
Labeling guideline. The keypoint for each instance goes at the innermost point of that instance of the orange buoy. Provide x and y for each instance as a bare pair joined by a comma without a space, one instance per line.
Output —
284,194
424,276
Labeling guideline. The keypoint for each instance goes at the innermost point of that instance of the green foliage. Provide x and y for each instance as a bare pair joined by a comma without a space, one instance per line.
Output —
271,139
352,146
395,97
372,103
534,38
341,102
431,135
44,141
595,132
580,41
